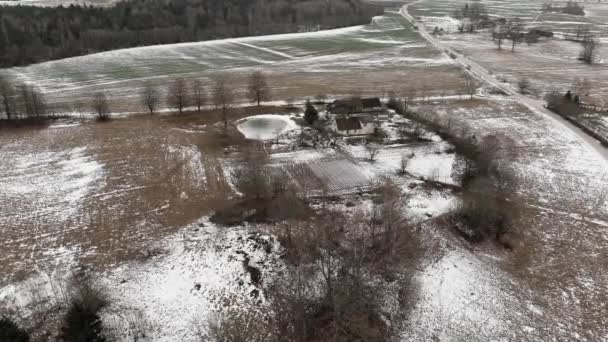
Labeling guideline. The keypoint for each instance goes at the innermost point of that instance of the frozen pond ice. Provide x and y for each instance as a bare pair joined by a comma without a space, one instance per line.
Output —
265,126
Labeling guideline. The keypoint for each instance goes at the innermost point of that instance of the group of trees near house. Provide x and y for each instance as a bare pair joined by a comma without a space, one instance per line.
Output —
568,103
34,34
570,8
511,30
471,16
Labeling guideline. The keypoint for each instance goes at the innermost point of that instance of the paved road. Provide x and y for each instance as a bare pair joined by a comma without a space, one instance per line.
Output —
483,74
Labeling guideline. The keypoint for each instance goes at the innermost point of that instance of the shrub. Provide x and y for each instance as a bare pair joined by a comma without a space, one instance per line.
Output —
395,105
10,331
237,326
82,323
524,85
480,209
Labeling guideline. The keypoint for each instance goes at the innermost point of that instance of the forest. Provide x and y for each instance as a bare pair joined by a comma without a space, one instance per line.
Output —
33,34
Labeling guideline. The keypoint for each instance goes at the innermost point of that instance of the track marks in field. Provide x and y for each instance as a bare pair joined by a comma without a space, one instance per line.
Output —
270,51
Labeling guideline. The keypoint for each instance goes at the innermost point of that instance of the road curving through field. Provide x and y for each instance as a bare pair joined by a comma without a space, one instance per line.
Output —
482,73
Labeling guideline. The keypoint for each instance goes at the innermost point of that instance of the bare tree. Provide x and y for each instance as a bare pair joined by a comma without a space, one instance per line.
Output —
258,88
253,178
583,33
32,102
372,151
198,94
469,84
498,35
150,97
223,97
25,100
524,85
589,53
178,95
7,92
39,102
514,32
78,107
411,95
405,160
100,105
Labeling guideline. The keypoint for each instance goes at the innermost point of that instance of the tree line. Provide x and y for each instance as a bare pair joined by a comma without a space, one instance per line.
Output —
25,101
31,34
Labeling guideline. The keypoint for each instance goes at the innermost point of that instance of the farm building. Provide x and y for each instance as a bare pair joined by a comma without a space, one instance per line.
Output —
371,105
363,124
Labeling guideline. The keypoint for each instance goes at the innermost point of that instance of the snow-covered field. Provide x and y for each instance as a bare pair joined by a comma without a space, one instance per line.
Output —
180,280
170,297
465,293
85,190
102,194
55,3
553,290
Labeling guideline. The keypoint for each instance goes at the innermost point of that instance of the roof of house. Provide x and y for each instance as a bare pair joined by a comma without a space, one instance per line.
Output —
348,124
354,104
372,102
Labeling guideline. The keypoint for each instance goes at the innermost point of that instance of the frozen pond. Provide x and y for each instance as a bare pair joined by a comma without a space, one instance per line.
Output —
265,126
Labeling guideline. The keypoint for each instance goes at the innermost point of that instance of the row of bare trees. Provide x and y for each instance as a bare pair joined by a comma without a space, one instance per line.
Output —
511,30
182,94
26,101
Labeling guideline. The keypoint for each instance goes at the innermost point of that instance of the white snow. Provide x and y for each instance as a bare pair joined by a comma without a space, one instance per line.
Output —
61,178
200,271
430,204
451,292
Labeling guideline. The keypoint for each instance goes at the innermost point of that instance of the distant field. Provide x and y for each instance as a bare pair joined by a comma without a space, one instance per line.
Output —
384,55
529,11
55,3
551,64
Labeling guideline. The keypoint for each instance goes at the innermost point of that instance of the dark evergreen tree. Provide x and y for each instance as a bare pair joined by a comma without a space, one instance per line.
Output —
82,324
310,113
10,331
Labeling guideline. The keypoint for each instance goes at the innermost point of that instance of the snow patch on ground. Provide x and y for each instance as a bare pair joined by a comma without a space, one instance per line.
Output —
451,291
203,272
430,204
73,176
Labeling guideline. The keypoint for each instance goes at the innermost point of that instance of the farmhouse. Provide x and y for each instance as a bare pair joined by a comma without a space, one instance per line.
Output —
355,116
371,105
362,124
